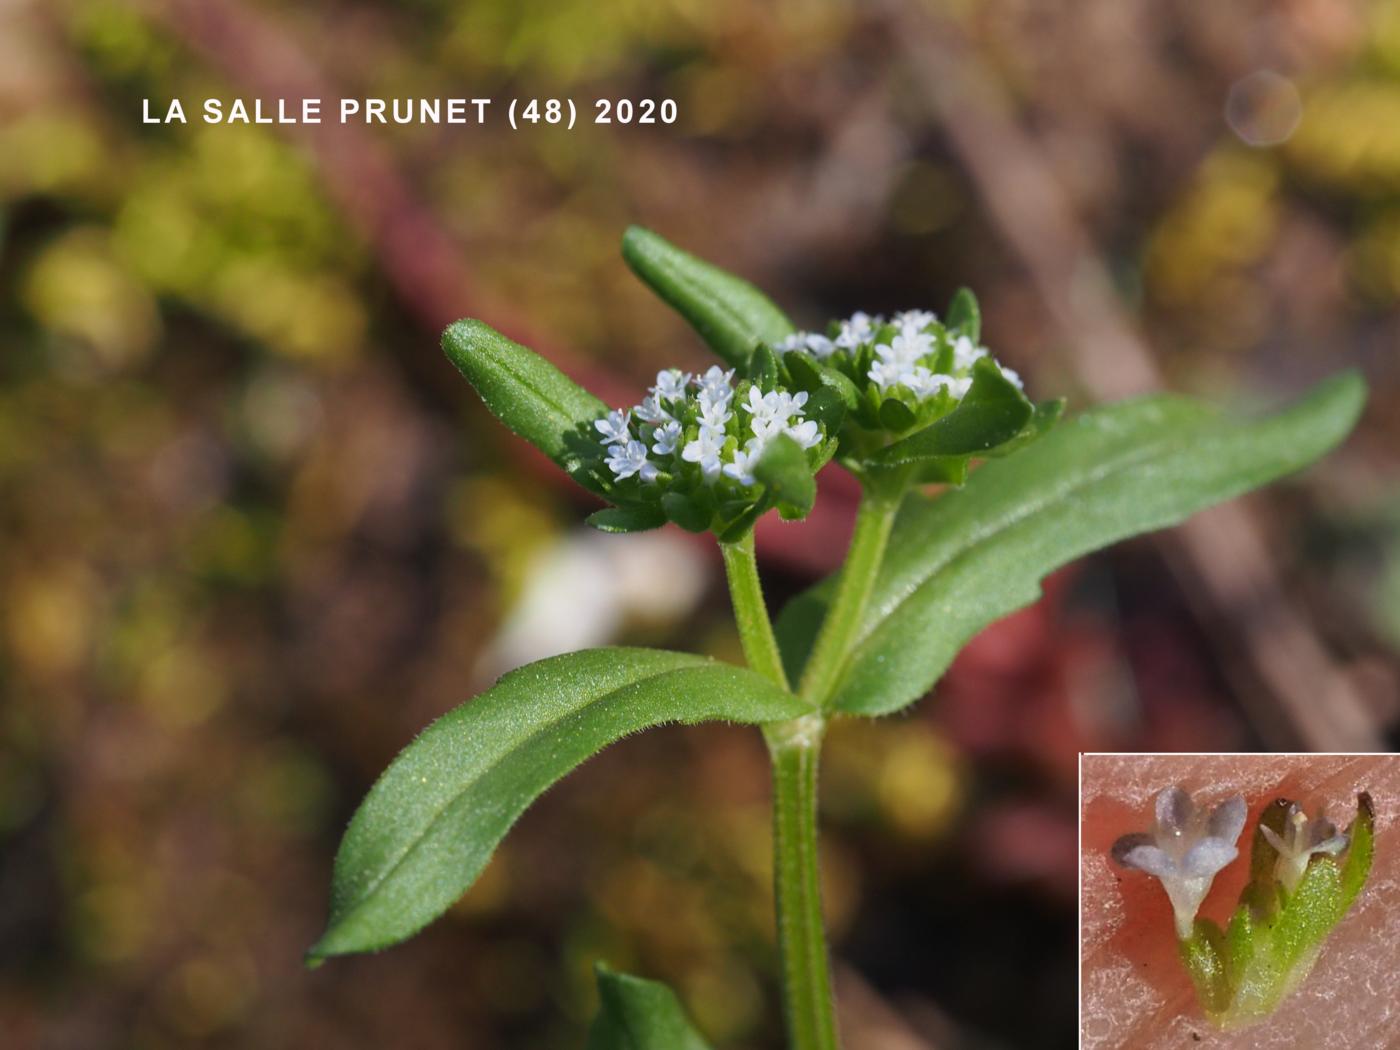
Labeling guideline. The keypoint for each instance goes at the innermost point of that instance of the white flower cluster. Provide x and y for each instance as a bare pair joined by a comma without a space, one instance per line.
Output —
696,419
904,359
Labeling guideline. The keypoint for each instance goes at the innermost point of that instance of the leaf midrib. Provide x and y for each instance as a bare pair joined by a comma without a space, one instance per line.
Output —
523,377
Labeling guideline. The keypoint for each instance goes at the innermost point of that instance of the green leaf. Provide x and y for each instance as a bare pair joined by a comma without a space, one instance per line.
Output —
895,415
964,315
1044,416
431,822
960,561
812,376
943,470
733,529
636,1014
763,368
528,394
686,512
784,471
730,314
627,519
827,408
992,412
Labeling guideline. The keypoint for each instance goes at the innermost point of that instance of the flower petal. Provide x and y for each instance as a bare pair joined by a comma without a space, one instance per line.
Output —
1333,845
1174,810
1320,830
1137,851
1207,857
1227,819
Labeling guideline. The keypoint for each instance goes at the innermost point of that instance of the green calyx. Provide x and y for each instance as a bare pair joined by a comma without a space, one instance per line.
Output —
1243,972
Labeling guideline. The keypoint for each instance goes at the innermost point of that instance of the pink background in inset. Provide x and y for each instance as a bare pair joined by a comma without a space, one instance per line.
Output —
1135,992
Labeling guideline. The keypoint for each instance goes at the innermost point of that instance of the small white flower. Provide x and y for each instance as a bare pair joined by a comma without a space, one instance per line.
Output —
671,384
886,374
716,384
650,411
714,433
915,319
745,459
819,346
1012,375
705,450
631,458
769,413
666,438
814,343
925,383
758,404
1187,847
960,386
613,427
965,352
909,345
805,433
1301,838
857,329
714,412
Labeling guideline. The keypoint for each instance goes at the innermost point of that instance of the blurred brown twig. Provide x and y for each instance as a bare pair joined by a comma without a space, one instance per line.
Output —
1296,694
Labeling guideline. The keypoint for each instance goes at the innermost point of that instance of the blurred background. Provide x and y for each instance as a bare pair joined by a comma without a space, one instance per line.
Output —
255,532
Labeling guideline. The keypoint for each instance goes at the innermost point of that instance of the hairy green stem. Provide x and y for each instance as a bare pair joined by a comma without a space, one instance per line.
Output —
874,520
750,611
807,999
794,747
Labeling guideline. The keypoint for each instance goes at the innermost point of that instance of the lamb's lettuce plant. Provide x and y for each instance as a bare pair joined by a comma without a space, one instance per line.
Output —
903,403
1300,886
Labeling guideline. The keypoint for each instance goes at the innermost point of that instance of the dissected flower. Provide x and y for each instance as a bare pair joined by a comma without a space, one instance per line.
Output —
1186,848
1301,839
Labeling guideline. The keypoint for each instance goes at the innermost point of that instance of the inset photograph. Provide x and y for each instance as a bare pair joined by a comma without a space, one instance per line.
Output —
1234,901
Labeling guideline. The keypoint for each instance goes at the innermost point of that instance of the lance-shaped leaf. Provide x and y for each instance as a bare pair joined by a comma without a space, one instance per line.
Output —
637,1014
730,314
430,823
527,393
960,561
992,412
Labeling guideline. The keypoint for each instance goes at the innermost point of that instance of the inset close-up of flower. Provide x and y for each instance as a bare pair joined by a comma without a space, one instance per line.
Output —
1259,893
